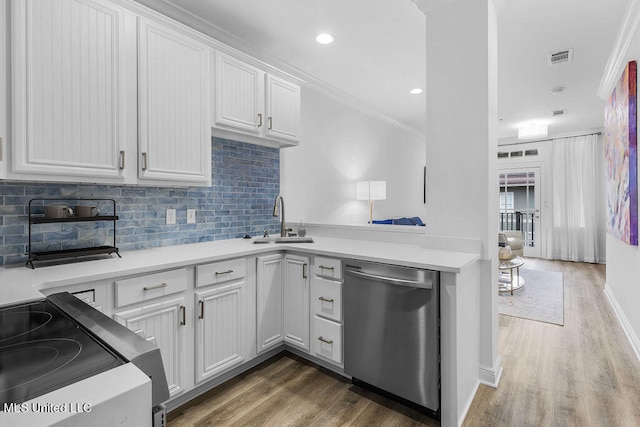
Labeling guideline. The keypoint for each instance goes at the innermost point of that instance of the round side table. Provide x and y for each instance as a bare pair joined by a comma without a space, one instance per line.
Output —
507,280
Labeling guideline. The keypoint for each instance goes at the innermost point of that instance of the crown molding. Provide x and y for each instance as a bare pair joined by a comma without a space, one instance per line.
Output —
249,52
617,57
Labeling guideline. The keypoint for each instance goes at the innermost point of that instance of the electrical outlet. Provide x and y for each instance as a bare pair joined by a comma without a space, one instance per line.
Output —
171,216
191,216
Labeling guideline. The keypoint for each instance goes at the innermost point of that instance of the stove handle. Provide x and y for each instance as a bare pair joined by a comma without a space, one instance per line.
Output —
184,315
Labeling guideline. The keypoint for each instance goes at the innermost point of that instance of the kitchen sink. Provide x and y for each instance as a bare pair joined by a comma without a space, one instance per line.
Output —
296,239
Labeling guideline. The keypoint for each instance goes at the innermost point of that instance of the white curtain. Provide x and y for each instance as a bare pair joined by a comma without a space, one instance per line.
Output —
575,222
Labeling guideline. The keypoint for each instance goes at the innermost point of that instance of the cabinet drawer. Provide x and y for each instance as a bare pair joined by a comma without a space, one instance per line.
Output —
220,272
327,339
328,267
326,298
143,288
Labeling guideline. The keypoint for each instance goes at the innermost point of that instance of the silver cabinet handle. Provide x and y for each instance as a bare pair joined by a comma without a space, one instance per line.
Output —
150,288
259,119
184,315
122,160
201,309
324,267
144,161
326,299
325,341
270,123
304,271
224,272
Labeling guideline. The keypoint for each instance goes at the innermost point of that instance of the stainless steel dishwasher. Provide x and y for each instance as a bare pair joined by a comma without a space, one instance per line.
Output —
391,330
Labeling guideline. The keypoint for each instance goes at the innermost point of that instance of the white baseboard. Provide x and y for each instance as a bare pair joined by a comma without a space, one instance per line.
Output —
491,376
624,322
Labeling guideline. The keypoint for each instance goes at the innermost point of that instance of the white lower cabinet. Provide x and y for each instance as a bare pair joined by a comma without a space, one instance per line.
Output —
327,339
162,323
296,301
224,319
213,318
269,301
326,309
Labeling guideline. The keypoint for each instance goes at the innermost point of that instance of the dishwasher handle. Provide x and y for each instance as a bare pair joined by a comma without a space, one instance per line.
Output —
392,280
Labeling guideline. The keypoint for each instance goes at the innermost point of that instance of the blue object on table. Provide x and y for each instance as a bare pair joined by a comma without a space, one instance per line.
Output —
400,221
417,221
382,221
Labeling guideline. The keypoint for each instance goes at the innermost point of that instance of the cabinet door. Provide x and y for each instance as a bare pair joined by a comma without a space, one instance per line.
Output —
296,301
238,94
173,90
162,323
283,109
69,77
221,328
269,301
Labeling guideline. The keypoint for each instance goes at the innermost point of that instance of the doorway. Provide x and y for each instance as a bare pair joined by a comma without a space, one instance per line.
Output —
520,206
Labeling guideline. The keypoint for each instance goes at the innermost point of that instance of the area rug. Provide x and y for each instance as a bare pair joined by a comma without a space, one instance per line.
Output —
541,298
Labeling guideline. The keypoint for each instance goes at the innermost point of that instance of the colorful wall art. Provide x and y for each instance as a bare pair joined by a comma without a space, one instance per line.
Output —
621,158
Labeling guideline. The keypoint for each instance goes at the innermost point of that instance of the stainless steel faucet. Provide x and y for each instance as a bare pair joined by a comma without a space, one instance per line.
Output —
283,230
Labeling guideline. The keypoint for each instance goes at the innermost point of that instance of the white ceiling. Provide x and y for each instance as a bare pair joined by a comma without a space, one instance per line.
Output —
530,29
379,52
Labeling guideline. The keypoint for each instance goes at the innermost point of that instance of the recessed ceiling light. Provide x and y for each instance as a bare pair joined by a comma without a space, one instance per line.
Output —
324,38
415,91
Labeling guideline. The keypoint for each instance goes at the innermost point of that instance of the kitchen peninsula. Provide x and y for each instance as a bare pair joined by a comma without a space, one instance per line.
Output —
110,278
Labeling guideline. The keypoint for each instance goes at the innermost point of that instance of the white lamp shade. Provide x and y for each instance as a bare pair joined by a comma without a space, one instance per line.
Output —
362,190
378,190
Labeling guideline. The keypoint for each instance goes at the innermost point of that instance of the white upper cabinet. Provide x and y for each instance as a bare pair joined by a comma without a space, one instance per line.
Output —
173,101
251,105
68,64
115,93
282,109
238,94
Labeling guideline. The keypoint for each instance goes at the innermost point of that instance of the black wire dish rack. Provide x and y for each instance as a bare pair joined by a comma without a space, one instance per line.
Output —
37,216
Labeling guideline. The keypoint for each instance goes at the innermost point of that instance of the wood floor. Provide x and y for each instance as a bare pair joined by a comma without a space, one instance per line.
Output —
581,374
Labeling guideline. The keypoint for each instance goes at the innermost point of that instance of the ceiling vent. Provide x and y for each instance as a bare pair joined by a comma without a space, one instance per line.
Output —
557,113
560,57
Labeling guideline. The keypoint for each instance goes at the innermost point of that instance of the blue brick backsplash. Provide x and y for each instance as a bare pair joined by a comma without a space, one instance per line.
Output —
245,183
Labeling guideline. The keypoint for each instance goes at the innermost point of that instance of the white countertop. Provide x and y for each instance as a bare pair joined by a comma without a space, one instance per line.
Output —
19,284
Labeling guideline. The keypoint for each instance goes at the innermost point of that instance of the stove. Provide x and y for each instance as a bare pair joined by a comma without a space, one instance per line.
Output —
42,349
48,344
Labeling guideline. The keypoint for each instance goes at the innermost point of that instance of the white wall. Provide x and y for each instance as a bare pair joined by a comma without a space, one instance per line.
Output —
339,146
623,261
462,191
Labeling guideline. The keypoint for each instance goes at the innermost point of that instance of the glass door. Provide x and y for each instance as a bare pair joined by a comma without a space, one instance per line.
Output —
520,206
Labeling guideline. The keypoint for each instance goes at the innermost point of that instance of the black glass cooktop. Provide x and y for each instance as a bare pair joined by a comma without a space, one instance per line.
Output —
41,350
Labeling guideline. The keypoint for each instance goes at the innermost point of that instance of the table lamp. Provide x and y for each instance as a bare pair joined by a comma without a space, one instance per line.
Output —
371,190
